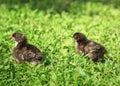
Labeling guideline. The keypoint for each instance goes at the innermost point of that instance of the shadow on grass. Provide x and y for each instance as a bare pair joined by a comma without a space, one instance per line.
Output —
55,5
46,60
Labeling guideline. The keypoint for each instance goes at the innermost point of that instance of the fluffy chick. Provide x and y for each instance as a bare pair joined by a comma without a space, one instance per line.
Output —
93,50
24,51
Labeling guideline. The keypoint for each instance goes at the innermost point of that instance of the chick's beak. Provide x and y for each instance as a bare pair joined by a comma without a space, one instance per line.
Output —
72,36
11,38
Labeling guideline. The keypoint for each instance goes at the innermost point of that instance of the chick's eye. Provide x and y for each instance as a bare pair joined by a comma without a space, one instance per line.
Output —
76,37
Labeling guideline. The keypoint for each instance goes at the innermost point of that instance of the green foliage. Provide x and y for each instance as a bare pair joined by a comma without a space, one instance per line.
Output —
49,25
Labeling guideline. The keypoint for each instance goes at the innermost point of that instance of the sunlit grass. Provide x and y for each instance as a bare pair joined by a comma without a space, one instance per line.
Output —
52,33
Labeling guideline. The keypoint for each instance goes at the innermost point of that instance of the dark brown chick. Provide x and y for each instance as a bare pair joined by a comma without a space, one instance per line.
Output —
93,50
24,51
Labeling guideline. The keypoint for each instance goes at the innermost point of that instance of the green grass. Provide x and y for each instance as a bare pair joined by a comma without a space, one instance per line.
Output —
50,28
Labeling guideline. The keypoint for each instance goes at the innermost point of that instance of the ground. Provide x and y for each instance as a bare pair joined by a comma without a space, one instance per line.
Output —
50,26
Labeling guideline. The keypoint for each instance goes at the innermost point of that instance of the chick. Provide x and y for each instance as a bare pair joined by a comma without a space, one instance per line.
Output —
24,51
93,50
